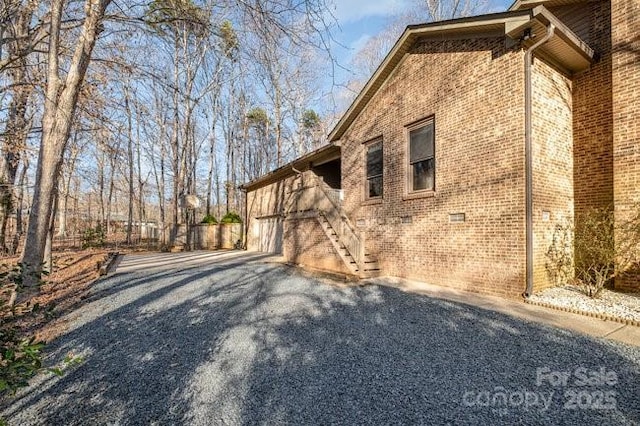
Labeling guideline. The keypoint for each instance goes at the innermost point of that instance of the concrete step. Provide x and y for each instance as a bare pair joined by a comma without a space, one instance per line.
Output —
371,266
369,274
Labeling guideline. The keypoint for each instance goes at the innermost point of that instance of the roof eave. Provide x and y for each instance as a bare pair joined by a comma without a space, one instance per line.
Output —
402,47
515,22
530,4
326,153
567,51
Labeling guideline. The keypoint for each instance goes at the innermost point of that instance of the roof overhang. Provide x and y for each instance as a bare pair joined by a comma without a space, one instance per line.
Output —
565,50
315,158
530,4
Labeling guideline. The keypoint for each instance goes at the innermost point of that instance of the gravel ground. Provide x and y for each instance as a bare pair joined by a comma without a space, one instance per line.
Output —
615,304
244,342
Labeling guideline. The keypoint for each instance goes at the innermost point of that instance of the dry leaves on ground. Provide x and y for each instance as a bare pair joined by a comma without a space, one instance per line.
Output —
62,291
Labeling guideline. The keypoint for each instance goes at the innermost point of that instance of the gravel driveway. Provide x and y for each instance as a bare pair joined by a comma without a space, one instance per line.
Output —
227,338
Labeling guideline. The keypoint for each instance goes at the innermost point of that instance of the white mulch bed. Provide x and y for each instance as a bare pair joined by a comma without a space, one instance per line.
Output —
614,304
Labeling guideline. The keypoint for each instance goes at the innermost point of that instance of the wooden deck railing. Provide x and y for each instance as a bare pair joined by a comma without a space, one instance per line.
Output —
316,195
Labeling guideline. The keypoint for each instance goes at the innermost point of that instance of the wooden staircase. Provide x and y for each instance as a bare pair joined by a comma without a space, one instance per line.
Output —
347,243
369,266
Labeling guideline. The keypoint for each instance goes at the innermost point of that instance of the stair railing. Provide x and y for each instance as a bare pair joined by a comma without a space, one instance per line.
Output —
328,202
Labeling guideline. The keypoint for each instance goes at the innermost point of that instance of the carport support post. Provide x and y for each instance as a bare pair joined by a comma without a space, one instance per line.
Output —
245,225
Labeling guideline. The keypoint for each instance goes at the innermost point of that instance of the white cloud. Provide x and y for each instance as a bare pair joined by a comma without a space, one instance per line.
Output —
355,10
359,43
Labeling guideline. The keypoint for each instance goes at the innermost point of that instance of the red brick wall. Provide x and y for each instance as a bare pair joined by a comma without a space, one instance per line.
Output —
475,90
552,164
592,108
625,21
305,243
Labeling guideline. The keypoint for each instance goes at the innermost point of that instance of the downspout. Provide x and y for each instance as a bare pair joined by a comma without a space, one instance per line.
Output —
528,155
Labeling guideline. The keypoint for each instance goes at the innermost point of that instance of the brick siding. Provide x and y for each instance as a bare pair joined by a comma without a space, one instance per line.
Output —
303,239
625,21
586,152
305,243
553,182
475,91
592,111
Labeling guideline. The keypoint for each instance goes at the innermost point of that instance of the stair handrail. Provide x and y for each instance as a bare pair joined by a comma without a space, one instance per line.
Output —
340,223
326,189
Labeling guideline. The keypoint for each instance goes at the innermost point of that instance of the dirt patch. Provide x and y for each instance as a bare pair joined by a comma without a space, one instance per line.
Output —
63,290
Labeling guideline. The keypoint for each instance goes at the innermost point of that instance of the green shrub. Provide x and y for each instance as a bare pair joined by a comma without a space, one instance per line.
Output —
21,359
93,237
210,219
20,355
231,217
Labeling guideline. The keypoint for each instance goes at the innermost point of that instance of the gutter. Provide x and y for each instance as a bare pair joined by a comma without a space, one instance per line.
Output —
528,154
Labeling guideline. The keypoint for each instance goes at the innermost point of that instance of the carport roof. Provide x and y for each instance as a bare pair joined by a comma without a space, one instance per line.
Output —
321,155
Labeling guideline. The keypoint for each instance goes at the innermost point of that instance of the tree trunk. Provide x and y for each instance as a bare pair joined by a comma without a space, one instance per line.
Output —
64,211
218,195
159,171
131,166
141,205
278,119
113,158
101,195
15,137
76,206
47,265
22,182
175,143
59,109
212,153
17,124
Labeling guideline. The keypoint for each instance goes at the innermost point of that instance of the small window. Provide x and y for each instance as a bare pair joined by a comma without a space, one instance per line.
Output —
374,170
422,162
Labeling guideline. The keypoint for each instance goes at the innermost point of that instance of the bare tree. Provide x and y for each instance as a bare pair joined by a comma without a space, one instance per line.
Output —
367,59
60,105
439,10
131,163
65,184
211,63
17,36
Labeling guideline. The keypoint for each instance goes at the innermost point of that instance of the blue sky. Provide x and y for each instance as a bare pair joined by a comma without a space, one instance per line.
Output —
361,19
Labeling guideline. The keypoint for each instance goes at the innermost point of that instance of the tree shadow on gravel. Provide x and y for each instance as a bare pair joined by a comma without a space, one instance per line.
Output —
255,343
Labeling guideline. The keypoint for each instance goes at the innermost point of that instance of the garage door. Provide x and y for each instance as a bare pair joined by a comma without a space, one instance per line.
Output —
271,235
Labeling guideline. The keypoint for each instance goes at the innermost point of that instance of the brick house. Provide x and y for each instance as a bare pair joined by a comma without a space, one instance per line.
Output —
472,141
